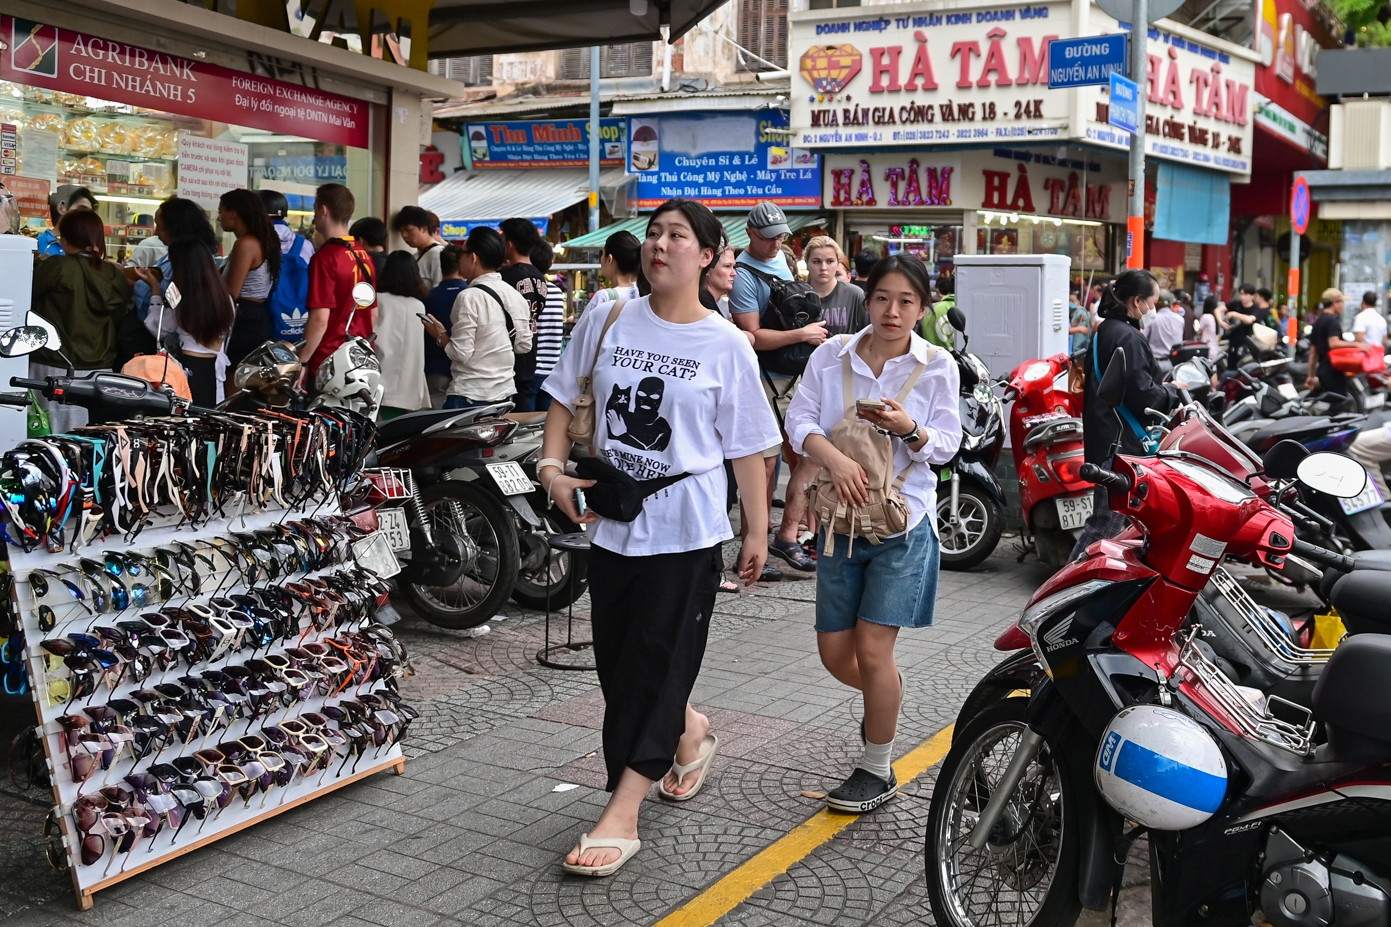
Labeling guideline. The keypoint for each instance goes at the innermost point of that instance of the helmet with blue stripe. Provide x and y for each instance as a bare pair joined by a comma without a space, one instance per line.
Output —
1160,768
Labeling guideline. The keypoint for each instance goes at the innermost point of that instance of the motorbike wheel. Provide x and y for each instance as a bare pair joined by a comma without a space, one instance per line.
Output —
974,537
565,582
1027,873
488,537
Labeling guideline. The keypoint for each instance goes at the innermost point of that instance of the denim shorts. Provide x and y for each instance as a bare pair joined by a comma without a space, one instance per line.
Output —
893,584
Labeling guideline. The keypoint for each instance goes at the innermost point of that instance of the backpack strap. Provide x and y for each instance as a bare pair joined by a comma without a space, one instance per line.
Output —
912,381
847,378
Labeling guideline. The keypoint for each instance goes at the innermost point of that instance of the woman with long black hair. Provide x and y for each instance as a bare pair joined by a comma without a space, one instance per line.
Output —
1109,430
200,322
251,271
676,392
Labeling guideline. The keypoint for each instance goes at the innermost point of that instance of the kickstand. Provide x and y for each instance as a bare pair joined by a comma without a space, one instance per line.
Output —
1025,547
1121,854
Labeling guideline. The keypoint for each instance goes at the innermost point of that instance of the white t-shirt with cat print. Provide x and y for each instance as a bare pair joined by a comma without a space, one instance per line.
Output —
669,399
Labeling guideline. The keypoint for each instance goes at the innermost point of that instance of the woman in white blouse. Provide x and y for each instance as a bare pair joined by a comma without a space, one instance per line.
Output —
864,592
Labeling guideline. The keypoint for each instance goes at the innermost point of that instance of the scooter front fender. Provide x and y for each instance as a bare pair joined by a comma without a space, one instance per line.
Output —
976,471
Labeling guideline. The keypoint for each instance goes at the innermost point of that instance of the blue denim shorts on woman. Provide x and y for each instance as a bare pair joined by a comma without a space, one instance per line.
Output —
894,583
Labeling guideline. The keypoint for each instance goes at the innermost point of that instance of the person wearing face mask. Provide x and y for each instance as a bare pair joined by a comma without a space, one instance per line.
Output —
1107,431
652,579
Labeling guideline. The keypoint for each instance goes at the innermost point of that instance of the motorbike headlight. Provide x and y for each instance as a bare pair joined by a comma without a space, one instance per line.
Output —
1039,612
324,375
361,356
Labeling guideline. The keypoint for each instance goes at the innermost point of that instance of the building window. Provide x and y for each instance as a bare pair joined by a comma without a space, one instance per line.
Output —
632,59
472,71
763,31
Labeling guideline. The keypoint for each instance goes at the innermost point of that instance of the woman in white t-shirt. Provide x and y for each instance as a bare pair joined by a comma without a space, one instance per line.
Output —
866,593
400,294
620,263
676,391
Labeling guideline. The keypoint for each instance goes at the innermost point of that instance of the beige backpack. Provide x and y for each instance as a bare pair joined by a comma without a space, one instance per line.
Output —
886,513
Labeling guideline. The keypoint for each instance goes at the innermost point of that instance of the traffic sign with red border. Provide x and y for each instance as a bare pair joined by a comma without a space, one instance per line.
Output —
1300,206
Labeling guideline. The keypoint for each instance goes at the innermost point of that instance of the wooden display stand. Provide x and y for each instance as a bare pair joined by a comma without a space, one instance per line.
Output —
147,853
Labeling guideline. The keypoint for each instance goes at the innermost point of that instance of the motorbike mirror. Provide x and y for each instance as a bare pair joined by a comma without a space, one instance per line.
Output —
364,294
1283,459
1111,389
1217,404
957,318
26,339
1334,474
55,341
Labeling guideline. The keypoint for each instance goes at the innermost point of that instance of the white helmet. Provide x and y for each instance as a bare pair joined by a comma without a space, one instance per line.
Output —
1160,768
350,378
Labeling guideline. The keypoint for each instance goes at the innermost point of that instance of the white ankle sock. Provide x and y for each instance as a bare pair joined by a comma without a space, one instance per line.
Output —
876,759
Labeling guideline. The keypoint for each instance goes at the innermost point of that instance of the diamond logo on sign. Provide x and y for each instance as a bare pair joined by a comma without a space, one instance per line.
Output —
1124,111
829,68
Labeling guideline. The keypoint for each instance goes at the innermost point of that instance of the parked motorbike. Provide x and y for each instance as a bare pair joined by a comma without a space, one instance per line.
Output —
476,469
1045,428
970,500
1252,818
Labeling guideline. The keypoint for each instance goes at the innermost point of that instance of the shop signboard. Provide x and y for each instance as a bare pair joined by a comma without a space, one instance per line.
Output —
40,55
543,143
306,169
727,160
1289,35
1198,96
917,74
1005,180
458,229
30,195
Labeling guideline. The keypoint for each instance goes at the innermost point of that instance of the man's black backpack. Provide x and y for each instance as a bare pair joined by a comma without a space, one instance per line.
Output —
792,304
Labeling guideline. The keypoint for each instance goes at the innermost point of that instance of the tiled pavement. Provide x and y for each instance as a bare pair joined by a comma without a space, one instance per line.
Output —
474,830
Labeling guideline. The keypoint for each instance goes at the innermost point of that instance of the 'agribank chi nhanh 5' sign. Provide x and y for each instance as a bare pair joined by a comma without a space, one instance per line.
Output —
41,55
918,75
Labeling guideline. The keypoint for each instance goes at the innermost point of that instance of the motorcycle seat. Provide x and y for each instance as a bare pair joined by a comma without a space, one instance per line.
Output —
1061,429
1353,697
1361,599
1362,560
413,423
1297,427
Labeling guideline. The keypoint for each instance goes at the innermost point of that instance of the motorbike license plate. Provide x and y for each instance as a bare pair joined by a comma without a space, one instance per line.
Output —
374,554
1376,401
510,478
393,525
1073,511
1368,498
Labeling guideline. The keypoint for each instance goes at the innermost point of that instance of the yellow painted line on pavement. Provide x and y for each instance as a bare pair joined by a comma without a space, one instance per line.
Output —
774,860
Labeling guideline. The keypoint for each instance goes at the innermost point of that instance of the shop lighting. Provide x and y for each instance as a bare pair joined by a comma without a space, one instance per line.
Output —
1014,218
133,200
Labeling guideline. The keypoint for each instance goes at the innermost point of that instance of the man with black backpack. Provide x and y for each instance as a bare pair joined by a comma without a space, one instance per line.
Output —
784,316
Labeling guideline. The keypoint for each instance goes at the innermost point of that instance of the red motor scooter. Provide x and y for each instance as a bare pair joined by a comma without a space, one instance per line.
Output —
1045,431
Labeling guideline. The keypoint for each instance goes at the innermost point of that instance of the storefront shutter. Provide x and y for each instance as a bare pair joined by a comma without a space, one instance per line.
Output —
471,71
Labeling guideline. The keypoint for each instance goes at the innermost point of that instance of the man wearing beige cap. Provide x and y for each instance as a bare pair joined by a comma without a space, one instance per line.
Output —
1327,334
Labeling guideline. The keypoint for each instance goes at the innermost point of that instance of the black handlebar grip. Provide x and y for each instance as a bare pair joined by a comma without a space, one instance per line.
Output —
1324,556
1102,477
14,399
26,383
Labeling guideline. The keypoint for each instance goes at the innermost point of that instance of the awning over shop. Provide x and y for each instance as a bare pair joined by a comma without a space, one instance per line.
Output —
485,197
735,230
491,27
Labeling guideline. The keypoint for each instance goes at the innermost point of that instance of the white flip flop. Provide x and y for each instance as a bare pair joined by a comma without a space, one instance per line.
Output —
625,847
709,746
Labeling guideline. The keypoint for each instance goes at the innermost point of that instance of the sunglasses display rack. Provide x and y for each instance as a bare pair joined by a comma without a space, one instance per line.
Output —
197,680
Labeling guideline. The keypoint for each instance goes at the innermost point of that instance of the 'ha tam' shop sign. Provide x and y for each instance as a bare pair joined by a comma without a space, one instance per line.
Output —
918,75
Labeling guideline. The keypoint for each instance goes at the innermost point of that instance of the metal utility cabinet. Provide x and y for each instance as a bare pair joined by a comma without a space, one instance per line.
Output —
1015,306
16,286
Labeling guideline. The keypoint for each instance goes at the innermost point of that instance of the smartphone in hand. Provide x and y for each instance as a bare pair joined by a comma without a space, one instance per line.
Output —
579,502
870,405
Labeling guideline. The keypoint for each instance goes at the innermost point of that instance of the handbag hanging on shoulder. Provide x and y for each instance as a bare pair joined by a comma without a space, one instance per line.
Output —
886,513
581,429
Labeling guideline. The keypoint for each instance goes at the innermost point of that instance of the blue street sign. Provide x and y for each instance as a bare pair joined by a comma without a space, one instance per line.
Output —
1125,104
1086,61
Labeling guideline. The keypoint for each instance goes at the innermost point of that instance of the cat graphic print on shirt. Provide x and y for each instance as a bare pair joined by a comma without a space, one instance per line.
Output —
676,398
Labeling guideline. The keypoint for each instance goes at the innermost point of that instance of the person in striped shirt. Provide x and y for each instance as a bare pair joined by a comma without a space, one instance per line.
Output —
550,326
